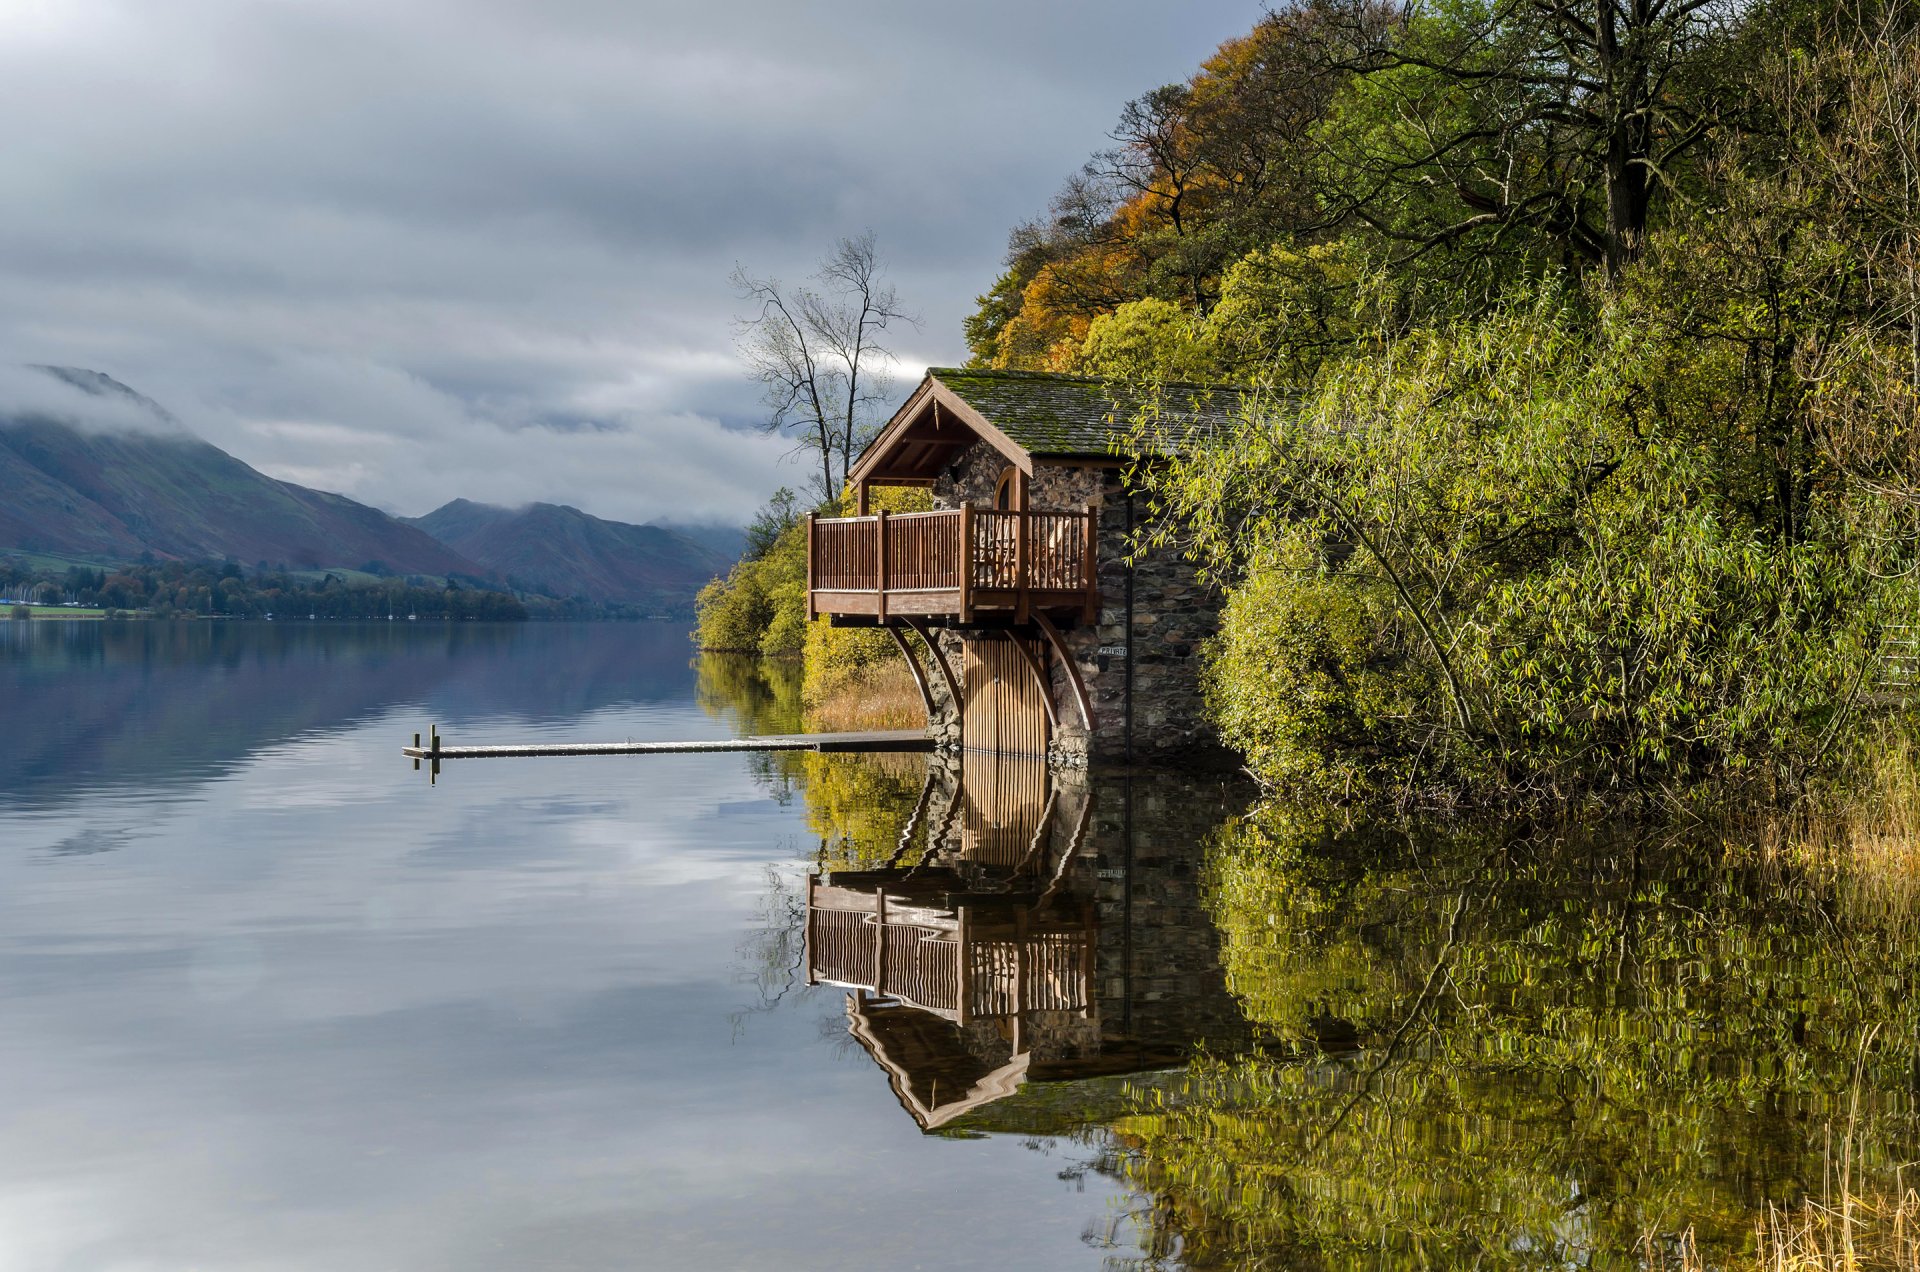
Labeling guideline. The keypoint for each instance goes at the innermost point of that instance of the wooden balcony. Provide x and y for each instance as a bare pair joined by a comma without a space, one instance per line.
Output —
960,563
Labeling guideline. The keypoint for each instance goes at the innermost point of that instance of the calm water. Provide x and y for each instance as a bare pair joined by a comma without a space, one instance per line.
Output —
270,1000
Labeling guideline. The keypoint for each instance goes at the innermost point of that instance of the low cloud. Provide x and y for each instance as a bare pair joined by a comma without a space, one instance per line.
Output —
76,398
480,247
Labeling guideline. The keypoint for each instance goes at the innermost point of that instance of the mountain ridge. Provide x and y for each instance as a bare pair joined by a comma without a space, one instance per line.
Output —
117,493
559,550
121,492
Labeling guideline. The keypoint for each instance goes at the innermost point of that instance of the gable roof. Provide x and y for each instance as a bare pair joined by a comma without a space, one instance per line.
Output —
1029,415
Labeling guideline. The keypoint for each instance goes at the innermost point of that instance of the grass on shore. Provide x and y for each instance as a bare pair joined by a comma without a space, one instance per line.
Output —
877,696
56,611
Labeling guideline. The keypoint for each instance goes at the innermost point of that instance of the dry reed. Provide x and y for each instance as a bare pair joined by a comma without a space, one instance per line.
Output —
879,696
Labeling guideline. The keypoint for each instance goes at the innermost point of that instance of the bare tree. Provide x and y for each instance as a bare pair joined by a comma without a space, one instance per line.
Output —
818,351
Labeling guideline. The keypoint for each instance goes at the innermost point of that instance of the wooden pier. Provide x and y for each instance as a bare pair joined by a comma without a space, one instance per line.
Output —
883,740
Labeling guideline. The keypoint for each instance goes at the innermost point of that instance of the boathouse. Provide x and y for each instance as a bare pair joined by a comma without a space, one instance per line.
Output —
1043,633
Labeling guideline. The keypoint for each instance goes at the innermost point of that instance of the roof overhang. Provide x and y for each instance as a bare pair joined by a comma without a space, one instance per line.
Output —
995,1084
925,435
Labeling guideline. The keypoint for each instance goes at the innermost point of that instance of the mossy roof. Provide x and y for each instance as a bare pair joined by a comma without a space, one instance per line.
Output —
1061,415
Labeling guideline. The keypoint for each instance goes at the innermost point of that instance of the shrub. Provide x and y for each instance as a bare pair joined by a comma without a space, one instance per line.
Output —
760,607
1309,679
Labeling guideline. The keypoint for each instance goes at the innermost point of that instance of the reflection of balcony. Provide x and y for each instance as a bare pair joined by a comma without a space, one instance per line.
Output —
957,563
966,962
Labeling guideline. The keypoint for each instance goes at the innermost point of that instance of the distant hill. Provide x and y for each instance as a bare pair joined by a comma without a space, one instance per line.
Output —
117,492
564,552
728,541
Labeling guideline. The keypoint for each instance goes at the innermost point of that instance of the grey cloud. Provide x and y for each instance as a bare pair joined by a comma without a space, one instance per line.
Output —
373,244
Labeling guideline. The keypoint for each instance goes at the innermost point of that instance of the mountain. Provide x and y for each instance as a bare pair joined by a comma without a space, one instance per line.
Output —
564,552
146,485
729,541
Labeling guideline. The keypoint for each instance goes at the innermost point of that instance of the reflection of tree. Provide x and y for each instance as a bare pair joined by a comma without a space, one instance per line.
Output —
755,696
773,953
857,804
861,806
1518,1053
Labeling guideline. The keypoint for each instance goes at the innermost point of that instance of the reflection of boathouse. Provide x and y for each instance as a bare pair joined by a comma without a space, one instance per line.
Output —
1020,935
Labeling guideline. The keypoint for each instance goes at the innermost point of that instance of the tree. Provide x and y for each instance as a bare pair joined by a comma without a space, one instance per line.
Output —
818,352
772,521
1546,118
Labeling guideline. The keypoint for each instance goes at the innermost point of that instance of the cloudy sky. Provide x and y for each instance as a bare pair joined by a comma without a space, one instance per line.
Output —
417,249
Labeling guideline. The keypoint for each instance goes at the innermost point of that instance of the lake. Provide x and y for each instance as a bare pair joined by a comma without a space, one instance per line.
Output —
274,999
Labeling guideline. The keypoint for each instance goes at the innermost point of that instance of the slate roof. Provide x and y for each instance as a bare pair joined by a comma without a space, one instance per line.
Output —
1062,415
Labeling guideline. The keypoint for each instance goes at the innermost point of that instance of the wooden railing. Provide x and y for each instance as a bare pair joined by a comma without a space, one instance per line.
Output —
1032,550
961,551
961,967
1044,971
923,551
918,963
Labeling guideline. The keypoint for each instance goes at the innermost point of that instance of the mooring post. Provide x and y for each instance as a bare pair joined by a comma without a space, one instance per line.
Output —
416,746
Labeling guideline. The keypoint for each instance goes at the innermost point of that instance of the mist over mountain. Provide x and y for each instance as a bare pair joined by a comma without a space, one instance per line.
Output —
117,476
92,469
562,551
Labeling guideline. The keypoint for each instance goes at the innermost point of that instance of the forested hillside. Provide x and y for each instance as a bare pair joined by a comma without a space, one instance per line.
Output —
1589,458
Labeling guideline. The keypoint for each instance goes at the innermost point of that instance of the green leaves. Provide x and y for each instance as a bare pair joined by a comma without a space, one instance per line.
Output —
1535,552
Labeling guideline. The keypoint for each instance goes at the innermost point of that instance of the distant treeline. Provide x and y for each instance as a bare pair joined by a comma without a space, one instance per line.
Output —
226,589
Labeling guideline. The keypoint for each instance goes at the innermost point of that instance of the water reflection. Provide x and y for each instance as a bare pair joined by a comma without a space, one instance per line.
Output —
143,706
1016,932
1549,1047
310,1012
1300,1043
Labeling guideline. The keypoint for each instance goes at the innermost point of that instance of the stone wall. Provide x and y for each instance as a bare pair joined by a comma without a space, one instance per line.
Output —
1173,614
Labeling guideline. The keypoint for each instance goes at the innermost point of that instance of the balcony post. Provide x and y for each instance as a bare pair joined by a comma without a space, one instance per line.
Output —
813,882
1090,580
813,567
966,563
880,559
1021,526
961,935
880,940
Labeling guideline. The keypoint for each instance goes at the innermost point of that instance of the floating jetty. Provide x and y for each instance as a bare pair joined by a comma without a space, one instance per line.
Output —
883,740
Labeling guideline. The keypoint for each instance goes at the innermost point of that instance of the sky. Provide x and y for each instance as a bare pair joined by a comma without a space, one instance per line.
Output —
413,250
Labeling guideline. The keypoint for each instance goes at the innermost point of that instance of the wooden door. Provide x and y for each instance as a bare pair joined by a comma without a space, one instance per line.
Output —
1002,709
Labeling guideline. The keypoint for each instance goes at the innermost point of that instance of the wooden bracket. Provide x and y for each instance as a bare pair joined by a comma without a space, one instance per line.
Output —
919,675
939,659
1073,671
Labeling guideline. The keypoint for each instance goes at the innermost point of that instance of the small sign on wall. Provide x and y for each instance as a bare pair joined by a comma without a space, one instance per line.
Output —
1112,651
